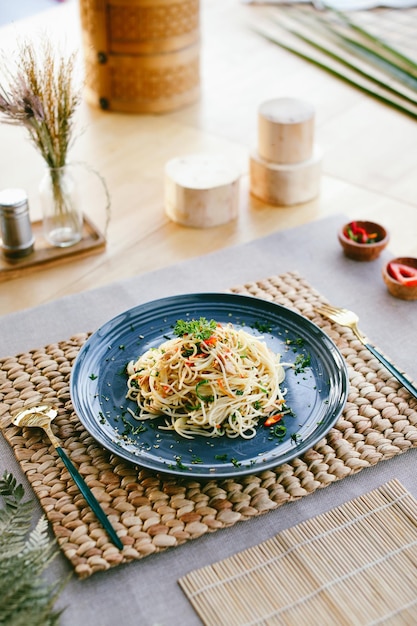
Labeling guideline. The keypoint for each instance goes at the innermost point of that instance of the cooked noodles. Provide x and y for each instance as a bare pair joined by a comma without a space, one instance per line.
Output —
212,380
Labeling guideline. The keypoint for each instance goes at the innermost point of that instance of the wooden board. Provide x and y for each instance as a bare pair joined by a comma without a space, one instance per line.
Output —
92,242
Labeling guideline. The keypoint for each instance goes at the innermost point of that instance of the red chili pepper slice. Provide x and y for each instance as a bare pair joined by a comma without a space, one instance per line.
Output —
359,234
362,235
404,274
211,341
273,419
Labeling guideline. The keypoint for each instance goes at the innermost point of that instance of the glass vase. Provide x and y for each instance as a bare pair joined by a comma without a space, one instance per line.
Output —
61,208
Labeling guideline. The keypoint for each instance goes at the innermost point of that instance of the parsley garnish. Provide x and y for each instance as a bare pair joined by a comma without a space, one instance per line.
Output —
263,327
301,362
130,429
179,464
299,342
279,431
199,329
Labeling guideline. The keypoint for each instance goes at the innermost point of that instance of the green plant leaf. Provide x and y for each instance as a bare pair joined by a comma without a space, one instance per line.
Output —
326,41
26,600
388,51
351,40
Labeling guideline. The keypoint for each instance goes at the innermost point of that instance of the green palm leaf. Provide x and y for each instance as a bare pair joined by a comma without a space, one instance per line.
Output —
335,27
335,44
385,50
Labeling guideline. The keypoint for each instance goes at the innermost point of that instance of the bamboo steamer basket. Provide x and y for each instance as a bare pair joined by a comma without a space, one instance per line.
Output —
141,56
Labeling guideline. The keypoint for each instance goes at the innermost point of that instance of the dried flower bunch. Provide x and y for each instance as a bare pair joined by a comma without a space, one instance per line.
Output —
42,97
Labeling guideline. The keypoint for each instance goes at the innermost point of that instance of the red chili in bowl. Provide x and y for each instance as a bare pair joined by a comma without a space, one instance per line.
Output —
404,274
359,234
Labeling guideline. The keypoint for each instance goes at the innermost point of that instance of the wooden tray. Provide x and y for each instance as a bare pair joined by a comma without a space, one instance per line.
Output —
92,242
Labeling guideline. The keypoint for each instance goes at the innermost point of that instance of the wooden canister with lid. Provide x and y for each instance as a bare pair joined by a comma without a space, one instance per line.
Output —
201,190
286,167
141,56
285,130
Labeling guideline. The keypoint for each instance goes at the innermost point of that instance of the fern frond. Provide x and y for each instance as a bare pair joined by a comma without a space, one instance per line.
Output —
10,489
15,523
38,538
24,556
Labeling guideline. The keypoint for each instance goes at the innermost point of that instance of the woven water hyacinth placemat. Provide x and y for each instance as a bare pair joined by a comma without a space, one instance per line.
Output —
346,566
152,512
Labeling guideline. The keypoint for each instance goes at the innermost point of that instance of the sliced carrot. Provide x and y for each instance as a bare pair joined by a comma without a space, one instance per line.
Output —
223,387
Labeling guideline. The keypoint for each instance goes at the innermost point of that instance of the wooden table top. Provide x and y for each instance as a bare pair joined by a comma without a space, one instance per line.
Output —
369,163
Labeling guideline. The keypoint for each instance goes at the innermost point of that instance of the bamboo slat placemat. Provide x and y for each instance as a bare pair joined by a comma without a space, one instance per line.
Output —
152,512
355,564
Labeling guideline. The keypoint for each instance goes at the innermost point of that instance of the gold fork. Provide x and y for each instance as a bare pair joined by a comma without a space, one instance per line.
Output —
347,318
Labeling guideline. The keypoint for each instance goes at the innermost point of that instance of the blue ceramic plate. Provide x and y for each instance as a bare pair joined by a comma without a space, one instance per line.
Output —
316,394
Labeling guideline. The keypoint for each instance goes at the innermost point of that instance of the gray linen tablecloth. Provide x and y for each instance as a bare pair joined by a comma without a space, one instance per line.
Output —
146,592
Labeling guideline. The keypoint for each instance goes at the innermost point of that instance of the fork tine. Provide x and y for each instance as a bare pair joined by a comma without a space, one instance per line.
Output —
328,308
329,316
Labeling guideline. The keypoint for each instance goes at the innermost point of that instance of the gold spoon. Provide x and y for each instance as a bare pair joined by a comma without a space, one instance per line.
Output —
41,416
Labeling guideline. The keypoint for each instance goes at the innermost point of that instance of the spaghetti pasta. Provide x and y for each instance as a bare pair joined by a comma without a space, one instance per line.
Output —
211,380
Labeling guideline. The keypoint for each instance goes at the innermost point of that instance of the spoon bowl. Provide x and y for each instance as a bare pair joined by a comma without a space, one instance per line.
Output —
41,416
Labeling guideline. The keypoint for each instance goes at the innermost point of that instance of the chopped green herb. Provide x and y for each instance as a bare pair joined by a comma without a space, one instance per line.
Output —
263,327
130,429
199,395
190,407
299,342
235,462
301,362
279,431
179,464
93,377
199,329
220,457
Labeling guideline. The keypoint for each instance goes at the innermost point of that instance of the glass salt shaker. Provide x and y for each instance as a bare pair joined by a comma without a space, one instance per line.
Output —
15,227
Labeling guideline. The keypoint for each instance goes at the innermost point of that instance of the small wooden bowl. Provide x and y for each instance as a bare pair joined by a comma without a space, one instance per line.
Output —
363,251
396,288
